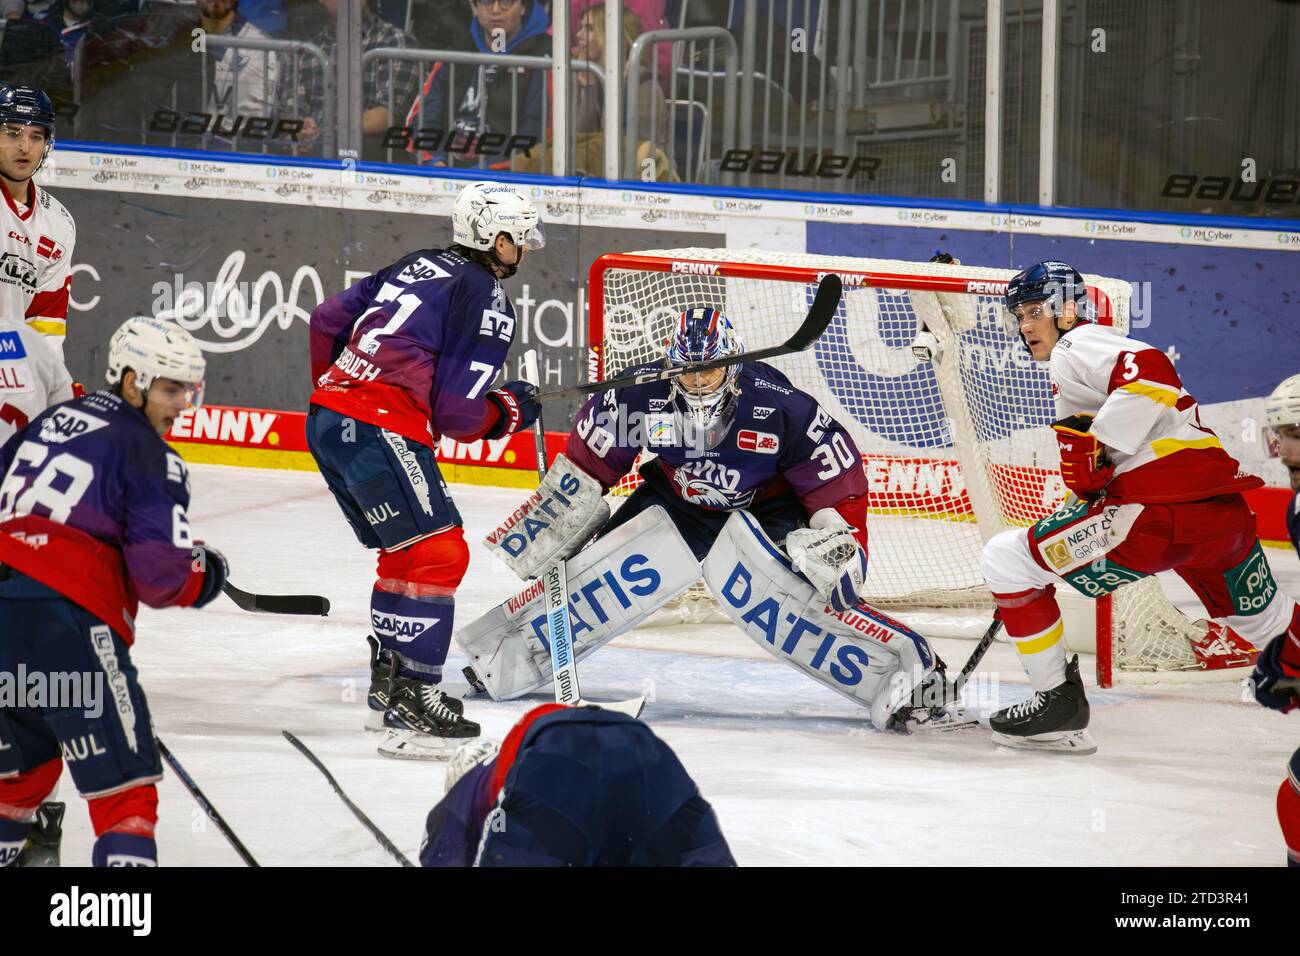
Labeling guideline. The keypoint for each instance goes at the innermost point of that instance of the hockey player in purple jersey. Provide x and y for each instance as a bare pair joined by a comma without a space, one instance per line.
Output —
402,357
572,787
751,477
93,521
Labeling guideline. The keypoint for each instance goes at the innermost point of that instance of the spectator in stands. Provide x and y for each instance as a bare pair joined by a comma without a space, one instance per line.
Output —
438,25
649,15
13,9
70,19
267,15
480,102
589,109
382,81
776,22
256,73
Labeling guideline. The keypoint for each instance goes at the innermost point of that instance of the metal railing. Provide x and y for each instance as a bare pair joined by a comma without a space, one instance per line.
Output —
284,52
689,68
481,61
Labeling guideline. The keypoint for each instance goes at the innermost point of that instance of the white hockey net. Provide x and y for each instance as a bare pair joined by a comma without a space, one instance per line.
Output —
955,449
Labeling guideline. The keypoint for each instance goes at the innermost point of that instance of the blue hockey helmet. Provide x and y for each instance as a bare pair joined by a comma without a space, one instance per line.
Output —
26,105
1052,282
703,334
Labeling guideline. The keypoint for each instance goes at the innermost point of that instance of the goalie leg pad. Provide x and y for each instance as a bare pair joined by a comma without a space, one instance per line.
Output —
614,585
860,653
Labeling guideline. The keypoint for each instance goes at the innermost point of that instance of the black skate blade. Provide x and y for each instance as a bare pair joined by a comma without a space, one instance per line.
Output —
475,685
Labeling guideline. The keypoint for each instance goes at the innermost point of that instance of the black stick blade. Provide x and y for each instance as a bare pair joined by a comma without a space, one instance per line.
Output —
825,303
304,604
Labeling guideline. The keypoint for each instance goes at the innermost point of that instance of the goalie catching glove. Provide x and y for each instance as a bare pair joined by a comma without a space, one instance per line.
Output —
1084,468
553,523
830,557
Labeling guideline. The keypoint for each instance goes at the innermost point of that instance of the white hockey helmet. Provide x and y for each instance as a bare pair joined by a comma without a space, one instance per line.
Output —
482,210
155,348
1281,409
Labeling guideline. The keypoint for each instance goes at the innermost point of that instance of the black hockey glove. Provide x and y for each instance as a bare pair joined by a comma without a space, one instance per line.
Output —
215,571
1271,669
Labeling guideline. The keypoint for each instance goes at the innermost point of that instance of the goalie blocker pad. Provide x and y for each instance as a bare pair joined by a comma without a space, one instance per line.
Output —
552,523
614,585
861,653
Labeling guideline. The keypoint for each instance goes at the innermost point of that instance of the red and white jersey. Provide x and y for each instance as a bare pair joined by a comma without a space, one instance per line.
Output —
32,376
36,263
1146,419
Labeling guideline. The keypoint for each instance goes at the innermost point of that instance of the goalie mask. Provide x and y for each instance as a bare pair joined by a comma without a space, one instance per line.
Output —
706,400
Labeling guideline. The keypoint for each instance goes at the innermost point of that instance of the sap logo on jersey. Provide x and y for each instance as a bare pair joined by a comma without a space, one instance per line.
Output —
843,660
765,443
66,424
761,412
421,270
402,629
635,574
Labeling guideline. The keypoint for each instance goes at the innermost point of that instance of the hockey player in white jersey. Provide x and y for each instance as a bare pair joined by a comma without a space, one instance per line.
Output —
1282,441
32,378
1156,491
754,486
39,234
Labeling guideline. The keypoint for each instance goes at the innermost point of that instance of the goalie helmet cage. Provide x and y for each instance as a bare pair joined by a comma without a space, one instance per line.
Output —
957,447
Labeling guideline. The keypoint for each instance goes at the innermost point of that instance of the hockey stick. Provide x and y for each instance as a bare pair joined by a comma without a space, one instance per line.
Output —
205,804
377,833
564,668
278,603
977,655
825,302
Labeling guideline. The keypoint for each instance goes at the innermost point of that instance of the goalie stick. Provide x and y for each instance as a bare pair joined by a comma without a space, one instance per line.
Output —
377,833
278,603
564,668
205,804
977,655
825,302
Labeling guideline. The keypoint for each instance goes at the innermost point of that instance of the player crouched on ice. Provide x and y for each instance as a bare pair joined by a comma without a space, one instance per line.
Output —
400,358
572,787
1156,492
92,521
752,478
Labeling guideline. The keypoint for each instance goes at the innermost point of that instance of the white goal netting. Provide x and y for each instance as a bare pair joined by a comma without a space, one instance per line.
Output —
956,448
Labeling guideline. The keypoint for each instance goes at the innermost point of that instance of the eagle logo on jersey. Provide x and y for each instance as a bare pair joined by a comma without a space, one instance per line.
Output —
700,492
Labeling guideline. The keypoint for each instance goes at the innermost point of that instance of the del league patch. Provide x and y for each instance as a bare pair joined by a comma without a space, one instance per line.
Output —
765,443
